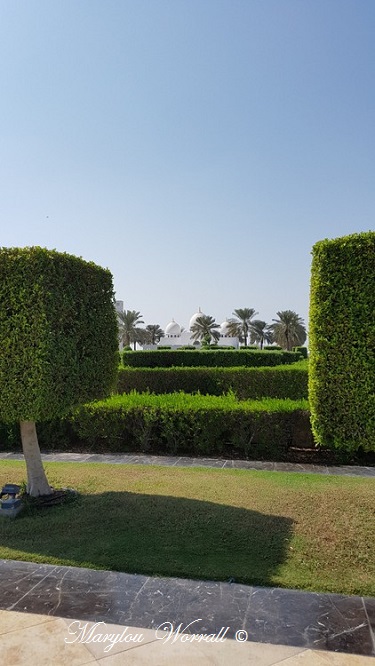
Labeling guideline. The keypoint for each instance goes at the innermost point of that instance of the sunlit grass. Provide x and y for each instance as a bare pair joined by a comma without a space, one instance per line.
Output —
266,528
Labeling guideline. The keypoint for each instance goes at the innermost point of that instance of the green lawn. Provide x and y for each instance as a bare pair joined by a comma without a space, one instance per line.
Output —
265,528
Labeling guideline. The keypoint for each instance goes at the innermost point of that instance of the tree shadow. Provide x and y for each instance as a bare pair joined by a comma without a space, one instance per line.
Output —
154,535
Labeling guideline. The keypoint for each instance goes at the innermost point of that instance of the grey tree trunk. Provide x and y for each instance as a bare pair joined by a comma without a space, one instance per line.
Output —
37,483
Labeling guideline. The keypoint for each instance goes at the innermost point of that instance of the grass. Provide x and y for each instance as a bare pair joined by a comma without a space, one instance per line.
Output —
289,530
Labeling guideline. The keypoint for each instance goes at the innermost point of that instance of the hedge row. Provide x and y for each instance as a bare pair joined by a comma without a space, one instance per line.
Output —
342,342
183,424
188,424
211,358
289,381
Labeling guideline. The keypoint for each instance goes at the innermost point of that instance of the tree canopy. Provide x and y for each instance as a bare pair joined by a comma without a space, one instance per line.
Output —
205,329
58,341
240,327
288,330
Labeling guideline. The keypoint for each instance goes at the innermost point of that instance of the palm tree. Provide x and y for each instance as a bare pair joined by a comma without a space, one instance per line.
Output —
288,330
205,329
128,327
240,327
260,333
155,333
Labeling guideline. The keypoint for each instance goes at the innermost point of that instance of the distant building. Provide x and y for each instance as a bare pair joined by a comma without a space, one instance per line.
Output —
175,336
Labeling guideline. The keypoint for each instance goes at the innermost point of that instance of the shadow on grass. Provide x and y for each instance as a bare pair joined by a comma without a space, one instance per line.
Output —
153,535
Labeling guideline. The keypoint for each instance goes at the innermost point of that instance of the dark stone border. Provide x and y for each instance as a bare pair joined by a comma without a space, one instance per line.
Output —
269,615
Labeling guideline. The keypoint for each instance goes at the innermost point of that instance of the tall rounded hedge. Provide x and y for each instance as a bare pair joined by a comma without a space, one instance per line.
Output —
342,342
58,333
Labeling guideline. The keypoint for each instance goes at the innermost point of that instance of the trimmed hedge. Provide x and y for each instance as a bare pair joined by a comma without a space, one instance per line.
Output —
210,358
185,424
301,350
58,333
289,381
342,342
180,424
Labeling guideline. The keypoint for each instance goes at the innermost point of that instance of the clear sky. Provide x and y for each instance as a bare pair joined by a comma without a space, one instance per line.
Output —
196,148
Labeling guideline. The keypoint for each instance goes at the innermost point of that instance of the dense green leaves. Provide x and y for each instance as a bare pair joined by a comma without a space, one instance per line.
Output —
342,342
164,358
288,330
129,329
58,333
192,424
205,329
241,325
288,381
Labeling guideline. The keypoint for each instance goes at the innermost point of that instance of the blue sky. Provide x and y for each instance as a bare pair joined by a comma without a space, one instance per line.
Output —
196,148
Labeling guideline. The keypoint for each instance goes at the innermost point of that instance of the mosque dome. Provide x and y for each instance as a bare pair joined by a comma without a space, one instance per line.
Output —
195,317
173,330
223,330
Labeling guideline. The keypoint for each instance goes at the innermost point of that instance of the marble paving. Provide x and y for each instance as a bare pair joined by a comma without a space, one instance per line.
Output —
41,640
181,461
293,622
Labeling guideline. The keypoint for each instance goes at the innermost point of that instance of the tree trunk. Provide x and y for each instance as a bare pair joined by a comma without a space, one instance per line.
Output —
37,483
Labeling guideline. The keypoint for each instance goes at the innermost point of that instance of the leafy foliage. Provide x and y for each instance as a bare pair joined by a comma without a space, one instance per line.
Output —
165,358
287,381
342,342
193,424
58,333
240,327
154,333
261,333
288,330
129,330
205,329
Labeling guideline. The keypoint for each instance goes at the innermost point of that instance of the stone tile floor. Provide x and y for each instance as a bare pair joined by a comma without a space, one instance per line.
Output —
181,461
257,625
41,640
47,612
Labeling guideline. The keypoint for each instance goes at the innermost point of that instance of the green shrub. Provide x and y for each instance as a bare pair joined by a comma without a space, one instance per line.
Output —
208,358
301,350
288,381
342,342
58,333
186,424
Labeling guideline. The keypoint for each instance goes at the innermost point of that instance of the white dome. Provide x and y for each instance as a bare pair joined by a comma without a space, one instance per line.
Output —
223,330
195,317
173,329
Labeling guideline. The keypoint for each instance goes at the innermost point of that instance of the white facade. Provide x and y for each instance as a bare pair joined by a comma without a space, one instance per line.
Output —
175,337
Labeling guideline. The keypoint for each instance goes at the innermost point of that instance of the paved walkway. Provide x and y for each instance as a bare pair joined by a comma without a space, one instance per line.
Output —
181,461
50,614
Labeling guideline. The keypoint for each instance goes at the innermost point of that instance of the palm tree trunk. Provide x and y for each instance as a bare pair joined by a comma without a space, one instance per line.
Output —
37,483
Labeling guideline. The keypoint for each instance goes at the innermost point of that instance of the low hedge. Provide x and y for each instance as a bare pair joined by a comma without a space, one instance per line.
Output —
301,350
182,424
288,381
195,425
163,358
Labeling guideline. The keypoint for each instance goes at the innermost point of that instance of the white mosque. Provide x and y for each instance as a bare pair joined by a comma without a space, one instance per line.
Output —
176,337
